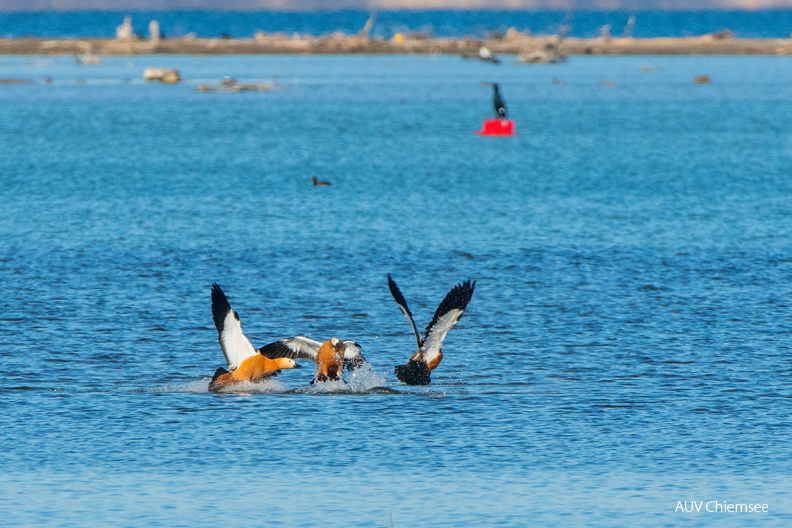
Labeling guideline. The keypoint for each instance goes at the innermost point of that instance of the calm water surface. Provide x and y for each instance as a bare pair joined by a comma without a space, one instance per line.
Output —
627,346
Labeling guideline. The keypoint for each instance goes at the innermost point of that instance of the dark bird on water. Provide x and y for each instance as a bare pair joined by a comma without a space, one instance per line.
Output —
419,367
319,183
498,102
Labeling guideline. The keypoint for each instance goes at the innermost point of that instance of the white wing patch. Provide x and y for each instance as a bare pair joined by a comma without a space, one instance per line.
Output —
300,347
236,347
352,350
353,358
437,333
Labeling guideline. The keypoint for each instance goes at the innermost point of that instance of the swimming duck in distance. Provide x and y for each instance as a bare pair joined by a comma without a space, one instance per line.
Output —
319,183
418,369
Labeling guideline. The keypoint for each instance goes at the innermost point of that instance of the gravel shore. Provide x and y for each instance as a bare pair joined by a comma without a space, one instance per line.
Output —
332,44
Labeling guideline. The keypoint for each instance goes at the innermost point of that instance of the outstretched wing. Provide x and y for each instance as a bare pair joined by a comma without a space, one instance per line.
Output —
300,347
353,358
292,347
236,347
446,316
400,300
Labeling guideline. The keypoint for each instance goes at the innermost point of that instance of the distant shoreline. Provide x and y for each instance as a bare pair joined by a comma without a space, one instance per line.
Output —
267,44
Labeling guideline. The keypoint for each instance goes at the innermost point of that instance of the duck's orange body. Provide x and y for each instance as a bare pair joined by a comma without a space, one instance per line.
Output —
245,362
257,367
330,360
252,369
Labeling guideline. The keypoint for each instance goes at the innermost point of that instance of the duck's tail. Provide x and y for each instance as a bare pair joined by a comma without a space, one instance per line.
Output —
413,373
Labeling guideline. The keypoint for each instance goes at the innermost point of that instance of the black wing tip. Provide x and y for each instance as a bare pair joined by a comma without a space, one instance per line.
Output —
217,291
397,295
460,295
220,306
468,286
392,286
456,299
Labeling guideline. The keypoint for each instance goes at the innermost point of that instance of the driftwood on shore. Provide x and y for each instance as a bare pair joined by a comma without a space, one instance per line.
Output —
512,43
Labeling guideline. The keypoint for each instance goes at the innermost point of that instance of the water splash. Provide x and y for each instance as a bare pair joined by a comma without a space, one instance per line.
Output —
266,386
202,385
324,387
363,379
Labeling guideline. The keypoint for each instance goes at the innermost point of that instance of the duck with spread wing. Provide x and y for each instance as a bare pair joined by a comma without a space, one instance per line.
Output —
247,364
418,369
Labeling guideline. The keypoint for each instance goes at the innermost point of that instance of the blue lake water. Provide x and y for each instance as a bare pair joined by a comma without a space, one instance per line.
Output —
627,346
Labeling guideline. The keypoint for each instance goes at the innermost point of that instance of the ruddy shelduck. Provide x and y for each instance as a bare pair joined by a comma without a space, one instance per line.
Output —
244,362
331,357
419,367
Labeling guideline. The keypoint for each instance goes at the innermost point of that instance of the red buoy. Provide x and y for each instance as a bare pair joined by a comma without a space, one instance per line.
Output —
497,127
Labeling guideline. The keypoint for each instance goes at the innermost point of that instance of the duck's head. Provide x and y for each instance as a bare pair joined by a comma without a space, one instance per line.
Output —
338,347
286,363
